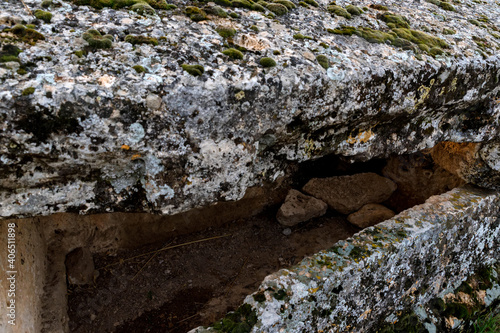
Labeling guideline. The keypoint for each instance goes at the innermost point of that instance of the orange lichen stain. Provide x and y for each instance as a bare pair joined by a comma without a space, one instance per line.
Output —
362,137
312,291
365,314
125,147
135,156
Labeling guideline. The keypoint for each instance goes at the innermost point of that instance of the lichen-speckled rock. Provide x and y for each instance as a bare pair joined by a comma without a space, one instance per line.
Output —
347,194
120,109
435,266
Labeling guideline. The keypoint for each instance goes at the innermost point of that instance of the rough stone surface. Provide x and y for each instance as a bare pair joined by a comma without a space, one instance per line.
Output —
418,177
369,215
473,162
347,194
299,207
79,266
410,269
89,140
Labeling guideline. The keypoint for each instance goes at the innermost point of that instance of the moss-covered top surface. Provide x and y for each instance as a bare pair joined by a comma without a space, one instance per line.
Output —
192,90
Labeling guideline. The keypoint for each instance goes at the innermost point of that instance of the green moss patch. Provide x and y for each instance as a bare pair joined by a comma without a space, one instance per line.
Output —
301,36
143,8
378,7
394,21
267,62
233,53
43,15
312,3
10,53
27,35
240,321
323,61
449,31
216,11
353,10
442,4
195,70
96,40
277,8
196,14
226,32
28,91
139,69
138,39
339,11
140,6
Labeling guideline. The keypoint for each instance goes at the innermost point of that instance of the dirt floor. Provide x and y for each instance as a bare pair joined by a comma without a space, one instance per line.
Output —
177,289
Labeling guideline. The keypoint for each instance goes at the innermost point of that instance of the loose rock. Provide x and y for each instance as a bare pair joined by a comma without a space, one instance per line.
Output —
369,215
347,194
299,207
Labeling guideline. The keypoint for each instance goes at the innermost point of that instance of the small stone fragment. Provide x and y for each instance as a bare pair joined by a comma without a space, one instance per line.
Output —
347,194
287,232
369,215
80,266
299,207
153,101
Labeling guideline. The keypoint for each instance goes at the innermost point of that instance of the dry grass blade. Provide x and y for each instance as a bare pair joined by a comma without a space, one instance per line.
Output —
163,249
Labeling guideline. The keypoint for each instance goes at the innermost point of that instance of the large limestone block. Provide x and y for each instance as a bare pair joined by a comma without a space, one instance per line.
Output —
347,194
299,207
369,215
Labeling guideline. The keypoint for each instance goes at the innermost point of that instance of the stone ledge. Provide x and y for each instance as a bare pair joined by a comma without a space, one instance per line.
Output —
399,268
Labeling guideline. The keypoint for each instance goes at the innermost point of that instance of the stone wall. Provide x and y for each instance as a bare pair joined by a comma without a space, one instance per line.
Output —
432,268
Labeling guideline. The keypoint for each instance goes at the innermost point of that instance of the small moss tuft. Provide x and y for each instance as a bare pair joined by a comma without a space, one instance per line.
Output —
276,52
79,53
254,28
28,91
339,11
22,71
303,4
139,69
46,3
195,13
443,4
267,62
258,7
378,7
312,3
216,10
195,70
394,21
348,31
96,40
353,10
288,4
449,31
43,15
27,35
225,3
233,53
138,39
243,4
143,8
225,32
234,15
301,36
277,8
323,61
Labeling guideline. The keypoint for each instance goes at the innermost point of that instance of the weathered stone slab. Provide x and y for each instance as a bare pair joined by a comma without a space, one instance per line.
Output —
347,194
401,271
127,128
369,215
299,207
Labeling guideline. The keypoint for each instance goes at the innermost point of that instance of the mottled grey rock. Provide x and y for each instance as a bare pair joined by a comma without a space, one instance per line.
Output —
75,144
369,215
80,266
347,194
299,207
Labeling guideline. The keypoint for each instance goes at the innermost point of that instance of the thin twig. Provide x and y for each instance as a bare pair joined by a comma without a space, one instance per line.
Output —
27,8
163,249
180,321
147,262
